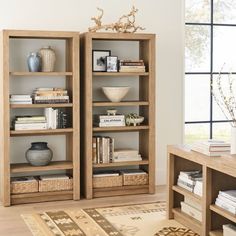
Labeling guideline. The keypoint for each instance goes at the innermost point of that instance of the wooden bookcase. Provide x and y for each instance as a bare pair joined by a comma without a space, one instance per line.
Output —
219,173
71,77
145,104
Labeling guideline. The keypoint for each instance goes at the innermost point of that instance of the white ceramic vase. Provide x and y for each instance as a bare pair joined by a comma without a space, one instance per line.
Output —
233,140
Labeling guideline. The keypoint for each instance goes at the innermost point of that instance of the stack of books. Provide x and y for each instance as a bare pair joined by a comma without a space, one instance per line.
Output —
56,118
131,66
212,147
229,230
103,149
109,120
192,208
20,99
50,96
126,155
227,200
188,179
30,123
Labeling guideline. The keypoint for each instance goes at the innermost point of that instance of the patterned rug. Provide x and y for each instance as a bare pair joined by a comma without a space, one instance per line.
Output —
132,220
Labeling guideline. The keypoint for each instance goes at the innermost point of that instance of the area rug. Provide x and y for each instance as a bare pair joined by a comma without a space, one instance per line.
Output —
132,220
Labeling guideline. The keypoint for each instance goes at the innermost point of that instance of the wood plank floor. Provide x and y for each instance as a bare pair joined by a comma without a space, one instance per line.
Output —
11,222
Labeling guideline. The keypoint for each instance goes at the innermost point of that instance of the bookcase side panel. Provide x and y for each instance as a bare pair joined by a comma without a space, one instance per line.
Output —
5,123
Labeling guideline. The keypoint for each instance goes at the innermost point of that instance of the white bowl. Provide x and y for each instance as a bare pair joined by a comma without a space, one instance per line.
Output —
115,94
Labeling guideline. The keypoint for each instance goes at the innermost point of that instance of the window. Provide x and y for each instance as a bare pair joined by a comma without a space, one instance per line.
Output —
210,32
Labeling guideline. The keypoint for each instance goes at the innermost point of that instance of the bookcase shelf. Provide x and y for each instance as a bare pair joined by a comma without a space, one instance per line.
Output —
68,76
120,104
187,220
119,191
223,213
40,132
41,197
25,73
219,174
216,233
125,163
121,129
120,74
55,165
41,105
187,193
143,87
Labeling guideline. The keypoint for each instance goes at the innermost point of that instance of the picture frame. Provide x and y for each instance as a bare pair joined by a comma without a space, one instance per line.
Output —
112,64
99,60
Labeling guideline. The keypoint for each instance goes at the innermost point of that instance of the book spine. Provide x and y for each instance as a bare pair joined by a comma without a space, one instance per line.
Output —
98,149
94,150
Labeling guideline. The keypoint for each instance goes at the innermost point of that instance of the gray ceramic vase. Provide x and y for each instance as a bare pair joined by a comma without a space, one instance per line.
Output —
34,62
39,154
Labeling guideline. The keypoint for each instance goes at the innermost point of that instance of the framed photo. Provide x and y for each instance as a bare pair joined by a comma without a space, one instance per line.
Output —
112,63
99,60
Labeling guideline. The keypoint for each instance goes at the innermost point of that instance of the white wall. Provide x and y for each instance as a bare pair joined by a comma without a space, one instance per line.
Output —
162,17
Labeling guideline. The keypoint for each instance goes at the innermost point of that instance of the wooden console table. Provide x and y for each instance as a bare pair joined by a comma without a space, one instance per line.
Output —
219,173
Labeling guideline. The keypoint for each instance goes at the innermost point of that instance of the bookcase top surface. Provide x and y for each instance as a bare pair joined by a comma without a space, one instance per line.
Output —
119,36
47,34
224,163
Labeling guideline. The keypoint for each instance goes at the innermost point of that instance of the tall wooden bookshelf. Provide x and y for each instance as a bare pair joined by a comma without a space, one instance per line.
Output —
145,105
71,164
219,174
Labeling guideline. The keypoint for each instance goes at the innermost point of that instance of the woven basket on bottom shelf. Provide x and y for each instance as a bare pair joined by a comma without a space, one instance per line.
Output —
108,181
24,187
141,179
55,185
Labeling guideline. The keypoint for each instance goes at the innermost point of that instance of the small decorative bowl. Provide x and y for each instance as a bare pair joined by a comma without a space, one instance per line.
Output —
134,121
115,94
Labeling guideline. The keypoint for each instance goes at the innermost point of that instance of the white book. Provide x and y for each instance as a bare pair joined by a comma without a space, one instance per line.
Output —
207,153
229,230
20,99
16,96
225,206
182,185
226,200
230,194
35,126
118,152
193,203
186,180
50,97
21,102
112,125
189,210
111,117
52,177
128,159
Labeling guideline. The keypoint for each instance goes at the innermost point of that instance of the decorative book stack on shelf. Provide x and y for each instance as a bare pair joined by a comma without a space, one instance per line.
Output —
35,103
135,74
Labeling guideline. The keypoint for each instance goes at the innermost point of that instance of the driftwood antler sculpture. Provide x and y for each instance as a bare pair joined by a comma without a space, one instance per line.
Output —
125,24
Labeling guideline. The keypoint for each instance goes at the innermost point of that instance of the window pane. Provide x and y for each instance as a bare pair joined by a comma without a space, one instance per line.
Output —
224,11
197,98
218,114
197,11
224,49
221,131
196,132
197,48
